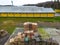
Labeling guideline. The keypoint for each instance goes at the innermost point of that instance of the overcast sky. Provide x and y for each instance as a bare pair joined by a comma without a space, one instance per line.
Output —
21,2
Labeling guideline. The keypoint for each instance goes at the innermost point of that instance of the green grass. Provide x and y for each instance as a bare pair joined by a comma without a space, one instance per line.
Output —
57,19
32,19
43,33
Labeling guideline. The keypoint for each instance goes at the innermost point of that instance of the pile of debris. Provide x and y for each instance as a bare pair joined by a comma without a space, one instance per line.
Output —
30,31
4,35
30,36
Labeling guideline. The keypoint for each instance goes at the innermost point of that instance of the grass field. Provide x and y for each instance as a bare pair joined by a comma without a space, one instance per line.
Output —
9,24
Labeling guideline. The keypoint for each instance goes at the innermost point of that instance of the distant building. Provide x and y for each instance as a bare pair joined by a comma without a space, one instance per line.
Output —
25,11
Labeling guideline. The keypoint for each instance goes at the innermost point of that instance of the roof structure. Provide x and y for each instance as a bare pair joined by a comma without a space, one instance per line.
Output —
24,9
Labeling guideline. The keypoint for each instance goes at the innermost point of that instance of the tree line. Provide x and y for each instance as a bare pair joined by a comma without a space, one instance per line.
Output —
48,4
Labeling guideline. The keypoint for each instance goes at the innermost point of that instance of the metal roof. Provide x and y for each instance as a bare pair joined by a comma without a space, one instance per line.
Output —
25,9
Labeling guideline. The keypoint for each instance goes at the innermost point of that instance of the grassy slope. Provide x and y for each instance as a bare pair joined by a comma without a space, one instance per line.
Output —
57,18
10,21
8,27
43,33
28,19
32,19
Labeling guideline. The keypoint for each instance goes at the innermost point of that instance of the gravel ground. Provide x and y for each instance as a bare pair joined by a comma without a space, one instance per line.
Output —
4,39
54,33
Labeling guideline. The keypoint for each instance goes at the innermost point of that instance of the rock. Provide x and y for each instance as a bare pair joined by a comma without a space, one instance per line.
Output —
4,35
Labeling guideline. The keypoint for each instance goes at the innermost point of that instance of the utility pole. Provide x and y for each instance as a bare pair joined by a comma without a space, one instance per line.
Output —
12,2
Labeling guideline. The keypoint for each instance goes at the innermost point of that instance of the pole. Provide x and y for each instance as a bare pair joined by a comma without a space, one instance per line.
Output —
12,2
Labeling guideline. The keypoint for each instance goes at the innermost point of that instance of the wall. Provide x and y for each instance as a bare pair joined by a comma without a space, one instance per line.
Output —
27,14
